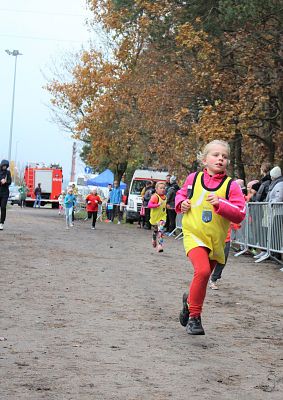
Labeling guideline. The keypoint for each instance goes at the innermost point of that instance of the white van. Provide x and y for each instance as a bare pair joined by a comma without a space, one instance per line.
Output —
139,180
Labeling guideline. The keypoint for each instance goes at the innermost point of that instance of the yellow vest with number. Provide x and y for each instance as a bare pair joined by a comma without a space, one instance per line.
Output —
201,225
159,213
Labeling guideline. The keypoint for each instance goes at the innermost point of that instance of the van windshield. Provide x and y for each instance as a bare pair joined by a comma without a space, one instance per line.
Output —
137,186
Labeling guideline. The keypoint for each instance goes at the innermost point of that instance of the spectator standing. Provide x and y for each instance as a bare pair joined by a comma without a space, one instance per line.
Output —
108,211
75,193
250,191
37,192
115,200
264,182
274,195
23,195
5,182
167,187
141,221
92,203
275,191
150,189
171,194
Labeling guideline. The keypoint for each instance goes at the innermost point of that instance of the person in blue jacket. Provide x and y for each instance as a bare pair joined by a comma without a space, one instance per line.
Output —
70,202
115,197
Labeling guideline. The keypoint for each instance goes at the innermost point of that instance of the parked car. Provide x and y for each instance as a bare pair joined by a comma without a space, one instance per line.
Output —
14,196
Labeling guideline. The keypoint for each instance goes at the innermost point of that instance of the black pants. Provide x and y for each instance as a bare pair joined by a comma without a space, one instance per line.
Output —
116,211
92,214
108,212
3,204
217,272
147,218
167,221
141,220
171,214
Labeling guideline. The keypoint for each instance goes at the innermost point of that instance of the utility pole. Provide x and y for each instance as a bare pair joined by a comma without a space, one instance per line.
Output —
74,155
14,53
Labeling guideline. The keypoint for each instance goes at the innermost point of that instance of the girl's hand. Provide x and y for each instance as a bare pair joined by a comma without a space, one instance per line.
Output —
213,199
185,206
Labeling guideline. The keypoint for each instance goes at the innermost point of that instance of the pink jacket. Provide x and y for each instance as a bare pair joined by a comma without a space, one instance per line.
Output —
233,209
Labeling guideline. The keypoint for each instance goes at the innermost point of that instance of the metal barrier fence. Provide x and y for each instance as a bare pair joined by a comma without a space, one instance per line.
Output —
262,229
179,218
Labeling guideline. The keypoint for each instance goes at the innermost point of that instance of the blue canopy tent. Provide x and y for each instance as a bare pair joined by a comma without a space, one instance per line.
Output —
103,180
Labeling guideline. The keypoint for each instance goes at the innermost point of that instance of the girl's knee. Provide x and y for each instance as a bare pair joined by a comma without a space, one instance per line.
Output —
202,274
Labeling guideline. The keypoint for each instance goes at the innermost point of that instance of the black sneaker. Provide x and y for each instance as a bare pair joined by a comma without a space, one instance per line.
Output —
194,326
185,313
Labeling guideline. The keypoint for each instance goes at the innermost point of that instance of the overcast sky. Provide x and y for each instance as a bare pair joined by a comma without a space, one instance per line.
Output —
41,30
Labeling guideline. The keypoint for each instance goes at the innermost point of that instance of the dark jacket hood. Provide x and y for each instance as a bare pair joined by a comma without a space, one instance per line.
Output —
267,177
4,162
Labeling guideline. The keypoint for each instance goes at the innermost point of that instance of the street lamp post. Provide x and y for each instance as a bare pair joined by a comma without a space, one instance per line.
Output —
14,53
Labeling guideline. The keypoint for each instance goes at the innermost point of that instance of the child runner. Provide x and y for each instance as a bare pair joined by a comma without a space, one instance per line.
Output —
61,203
157,204
209,200
217,272
69,202
92,202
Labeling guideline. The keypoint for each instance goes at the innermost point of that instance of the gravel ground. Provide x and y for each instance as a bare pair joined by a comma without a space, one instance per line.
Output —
94,315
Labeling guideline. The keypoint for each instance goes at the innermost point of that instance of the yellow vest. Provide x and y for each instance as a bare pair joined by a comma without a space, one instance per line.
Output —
201,225
159,213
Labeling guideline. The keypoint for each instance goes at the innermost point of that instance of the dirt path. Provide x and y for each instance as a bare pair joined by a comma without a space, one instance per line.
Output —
94,315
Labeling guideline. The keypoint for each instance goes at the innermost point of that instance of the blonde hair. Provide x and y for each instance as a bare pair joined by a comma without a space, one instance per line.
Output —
159,183
202,154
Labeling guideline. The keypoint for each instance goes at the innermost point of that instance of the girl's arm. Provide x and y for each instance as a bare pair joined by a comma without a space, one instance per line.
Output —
153,202
182,194
233,209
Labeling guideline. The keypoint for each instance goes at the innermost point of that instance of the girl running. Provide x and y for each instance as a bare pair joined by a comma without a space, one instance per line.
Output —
92,203
61,203
69,203
157,204
209,200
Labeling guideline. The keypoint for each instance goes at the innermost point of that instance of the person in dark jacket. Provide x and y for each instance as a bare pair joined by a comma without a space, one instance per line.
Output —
265,182
37,192
171,194
5,182
147,195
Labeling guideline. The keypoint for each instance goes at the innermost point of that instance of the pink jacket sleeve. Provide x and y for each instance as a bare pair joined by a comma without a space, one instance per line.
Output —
182,194
152,202
233,209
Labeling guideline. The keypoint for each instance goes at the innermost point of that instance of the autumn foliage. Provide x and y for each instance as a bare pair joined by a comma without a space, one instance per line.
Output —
179,74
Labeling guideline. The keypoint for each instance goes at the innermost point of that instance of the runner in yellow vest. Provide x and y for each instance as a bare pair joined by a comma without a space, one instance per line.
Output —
209,201
157,204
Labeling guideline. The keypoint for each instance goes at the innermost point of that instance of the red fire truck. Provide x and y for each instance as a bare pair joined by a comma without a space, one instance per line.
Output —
50,178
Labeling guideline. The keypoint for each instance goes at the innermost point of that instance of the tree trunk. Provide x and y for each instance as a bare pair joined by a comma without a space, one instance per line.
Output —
120,170
239,165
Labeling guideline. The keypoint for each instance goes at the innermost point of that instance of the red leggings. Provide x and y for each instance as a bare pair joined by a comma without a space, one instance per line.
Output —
203,268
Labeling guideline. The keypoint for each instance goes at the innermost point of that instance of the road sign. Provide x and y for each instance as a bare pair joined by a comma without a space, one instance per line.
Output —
88,170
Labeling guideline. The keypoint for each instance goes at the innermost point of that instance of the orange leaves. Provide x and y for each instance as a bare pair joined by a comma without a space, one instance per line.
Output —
170,86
